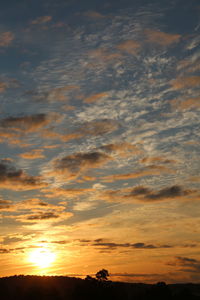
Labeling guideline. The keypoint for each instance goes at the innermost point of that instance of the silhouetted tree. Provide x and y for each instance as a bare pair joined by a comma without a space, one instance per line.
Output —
102,275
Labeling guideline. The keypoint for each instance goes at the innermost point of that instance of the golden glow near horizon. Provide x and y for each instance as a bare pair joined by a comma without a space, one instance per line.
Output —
42,257
99,139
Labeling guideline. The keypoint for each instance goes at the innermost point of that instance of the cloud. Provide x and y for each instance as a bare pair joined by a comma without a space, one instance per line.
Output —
94,15
187,264
4,251
100,243
103,55
33,154
29,123
152,170
99,127
186,104
6,38
161,38
129,46
65,193
157,159
3,86
46,216
5,205
42,216
32,210
41,20
95,97
10,240
165,193
16,179
73,165
93,128
145,194
123,149
185,82
126,245
60,93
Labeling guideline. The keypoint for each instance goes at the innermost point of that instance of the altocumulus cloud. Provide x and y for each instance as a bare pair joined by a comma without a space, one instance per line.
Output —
73,165
145,194
17,179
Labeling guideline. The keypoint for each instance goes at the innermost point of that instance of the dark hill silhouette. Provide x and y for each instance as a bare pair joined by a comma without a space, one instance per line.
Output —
69,288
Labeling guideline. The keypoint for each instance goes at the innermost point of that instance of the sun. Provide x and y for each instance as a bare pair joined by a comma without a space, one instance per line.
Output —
42,257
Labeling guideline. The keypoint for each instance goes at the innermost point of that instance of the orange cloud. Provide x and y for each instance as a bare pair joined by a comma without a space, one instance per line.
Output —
94,15
16,179
34,205
6,38
190,103
129,46
71,136
5,205
151,170
74,165
103,54
59,94
31,123
185,82
35,210
159,159
95,97
41,20
93,128
3,87
189,65
161,38
34,154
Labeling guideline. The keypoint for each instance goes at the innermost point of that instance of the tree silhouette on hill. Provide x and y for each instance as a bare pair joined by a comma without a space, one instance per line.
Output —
102,275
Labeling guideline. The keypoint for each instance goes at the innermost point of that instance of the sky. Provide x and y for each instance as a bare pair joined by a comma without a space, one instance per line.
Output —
99,138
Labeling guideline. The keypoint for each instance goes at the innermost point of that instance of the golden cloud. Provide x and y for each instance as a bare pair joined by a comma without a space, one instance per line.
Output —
33,210
6,38
13,128
157,159
94,15
185,82
3,87
95,97
190,103
16,179
74,165
129,46
93,128
60,94
33,154
161,38
152,170
103,54
41,20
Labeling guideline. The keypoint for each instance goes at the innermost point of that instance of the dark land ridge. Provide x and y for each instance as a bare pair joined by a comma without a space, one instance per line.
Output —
32,287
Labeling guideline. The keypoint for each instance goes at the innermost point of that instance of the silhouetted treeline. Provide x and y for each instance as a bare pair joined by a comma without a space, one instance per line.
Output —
60,287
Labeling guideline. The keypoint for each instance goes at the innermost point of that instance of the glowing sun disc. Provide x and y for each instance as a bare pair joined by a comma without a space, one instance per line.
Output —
42,258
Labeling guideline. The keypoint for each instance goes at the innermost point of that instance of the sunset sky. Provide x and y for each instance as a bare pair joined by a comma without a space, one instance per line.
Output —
100,138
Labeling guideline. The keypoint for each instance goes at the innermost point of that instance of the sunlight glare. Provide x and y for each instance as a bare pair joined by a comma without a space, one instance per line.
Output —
42,257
